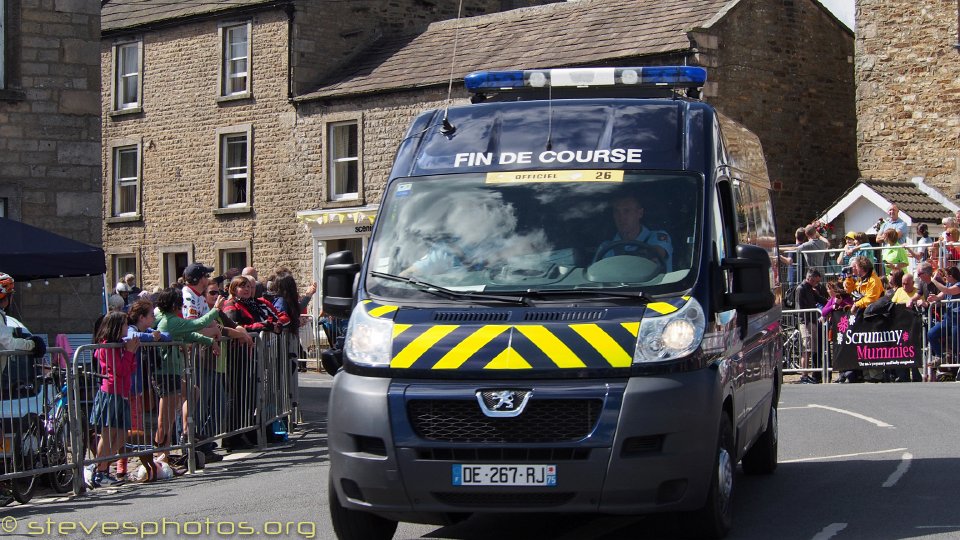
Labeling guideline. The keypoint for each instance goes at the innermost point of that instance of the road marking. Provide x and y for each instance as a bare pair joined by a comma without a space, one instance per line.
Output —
901,470
873,421
830,531
843,455
791,408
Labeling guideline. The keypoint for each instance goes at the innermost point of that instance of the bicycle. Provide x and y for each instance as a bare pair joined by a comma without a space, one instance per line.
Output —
42,438
792,344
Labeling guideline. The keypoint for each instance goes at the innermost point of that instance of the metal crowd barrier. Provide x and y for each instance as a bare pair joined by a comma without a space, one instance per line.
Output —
34,429
941,350
56,421
813,354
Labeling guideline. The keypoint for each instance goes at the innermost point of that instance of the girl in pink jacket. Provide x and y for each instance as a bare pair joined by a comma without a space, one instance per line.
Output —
110,413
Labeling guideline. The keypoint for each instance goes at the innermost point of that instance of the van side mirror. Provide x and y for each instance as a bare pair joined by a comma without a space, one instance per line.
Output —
751,280
339,274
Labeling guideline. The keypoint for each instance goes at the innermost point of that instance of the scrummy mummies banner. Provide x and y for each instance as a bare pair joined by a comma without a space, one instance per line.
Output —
877,342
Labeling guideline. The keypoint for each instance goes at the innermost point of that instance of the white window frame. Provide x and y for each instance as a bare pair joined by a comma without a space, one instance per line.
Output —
168,256
115,265
223,249
335,158
116,182
226,73
225,176
120,78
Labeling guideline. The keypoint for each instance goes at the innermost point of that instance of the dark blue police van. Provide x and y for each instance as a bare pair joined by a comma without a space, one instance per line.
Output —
567,305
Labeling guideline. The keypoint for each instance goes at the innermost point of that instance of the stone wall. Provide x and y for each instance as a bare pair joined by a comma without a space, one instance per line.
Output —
784,69
383,122
178,133
908,91
49,143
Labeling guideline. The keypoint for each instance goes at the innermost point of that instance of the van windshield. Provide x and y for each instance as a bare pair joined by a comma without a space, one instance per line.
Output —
540,231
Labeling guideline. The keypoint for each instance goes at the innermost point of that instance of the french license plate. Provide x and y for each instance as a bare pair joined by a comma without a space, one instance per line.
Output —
504,475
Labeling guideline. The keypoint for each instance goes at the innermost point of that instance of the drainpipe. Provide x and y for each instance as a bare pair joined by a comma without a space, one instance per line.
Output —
290,9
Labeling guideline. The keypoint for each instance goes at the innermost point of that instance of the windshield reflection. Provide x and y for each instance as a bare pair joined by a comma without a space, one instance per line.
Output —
472,232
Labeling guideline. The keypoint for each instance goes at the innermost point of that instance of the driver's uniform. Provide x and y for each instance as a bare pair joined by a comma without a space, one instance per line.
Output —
654,238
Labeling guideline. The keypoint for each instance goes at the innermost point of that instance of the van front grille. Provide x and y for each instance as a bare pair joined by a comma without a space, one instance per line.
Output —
506,455
542,421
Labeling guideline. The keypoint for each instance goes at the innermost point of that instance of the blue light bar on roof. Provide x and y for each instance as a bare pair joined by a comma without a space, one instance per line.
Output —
675,76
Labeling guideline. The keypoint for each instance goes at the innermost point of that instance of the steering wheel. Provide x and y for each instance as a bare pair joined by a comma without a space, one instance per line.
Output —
643,249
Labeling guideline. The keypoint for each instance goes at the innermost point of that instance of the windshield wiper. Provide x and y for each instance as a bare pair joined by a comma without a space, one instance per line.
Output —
540,293
451,294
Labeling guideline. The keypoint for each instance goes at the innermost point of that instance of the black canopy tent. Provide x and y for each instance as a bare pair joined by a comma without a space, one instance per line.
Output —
27,253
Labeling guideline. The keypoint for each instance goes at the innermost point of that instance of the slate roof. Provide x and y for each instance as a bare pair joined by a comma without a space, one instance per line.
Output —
121,14
552,35
910,200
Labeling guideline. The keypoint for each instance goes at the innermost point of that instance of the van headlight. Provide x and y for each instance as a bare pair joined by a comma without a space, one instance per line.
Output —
369,340
672,336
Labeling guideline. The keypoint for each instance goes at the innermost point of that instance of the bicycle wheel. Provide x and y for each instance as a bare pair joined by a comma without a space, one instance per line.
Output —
26,447
791,351
57,452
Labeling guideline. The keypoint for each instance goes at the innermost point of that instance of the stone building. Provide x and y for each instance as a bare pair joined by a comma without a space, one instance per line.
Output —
908,91
198,152
783,69
50,145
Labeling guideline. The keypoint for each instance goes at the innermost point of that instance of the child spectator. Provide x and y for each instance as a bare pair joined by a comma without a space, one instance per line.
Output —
140,319
110,413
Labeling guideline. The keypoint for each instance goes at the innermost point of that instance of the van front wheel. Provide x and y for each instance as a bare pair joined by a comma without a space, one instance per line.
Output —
356,525
762,456
715,519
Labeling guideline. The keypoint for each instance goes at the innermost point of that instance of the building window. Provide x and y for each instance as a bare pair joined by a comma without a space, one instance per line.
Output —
123,265
126,84
174,263
343,149
126,181
235,68
234,164
233,258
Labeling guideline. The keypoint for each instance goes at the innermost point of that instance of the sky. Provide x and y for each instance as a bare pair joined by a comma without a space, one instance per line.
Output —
843,9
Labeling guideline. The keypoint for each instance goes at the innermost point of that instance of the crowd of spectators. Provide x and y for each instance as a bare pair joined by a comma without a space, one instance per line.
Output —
221,313
921,275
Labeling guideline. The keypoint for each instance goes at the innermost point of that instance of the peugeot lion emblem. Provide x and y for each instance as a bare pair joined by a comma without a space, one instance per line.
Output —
503,403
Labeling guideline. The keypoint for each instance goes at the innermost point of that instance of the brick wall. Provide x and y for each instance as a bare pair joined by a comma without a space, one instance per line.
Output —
908,92
50,140
784,69
178,130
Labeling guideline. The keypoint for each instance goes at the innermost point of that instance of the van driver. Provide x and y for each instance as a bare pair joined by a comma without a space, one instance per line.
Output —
632,234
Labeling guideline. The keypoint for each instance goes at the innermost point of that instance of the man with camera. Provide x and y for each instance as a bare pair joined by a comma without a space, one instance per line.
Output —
811,294
861,281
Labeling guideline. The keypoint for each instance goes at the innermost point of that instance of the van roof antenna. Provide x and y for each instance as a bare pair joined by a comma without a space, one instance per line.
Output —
449,128
549,117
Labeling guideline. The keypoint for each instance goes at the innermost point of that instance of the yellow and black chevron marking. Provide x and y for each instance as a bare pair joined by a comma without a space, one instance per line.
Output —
656,309
379,311
504,346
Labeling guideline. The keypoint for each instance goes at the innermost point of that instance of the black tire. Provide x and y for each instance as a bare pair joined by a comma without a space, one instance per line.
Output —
57,452
762,456
715,519
26,446
356,525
